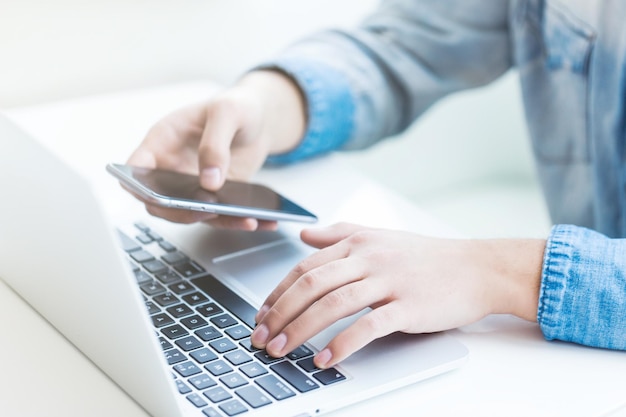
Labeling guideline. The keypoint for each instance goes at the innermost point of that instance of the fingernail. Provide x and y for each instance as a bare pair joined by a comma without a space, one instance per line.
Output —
211,177
323,358
277,344
259,335
262,312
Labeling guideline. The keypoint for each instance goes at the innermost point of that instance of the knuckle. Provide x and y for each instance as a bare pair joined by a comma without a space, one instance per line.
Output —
335,299
377,321
224,106
309,280
360,237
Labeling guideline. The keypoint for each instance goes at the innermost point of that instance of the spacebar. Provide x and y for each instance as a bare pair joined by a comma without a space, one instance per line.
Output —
227,298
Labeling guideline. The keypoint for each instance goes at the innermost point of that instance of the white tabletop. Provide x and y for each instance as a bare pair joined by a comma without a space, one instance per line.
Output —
512,370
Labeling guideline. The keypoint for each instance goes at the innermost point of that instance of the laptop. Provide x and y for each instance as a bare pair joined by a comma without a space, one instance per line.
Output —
166,313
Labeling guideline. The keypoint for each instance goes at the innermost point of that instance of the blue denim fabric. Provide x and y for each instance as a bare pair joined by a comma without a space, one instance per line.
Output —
583,288
571,57
329,116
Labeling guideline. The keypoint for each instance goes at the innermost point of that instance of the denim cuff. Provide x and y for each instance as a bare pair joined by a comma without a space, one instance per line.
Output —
330,107
582,297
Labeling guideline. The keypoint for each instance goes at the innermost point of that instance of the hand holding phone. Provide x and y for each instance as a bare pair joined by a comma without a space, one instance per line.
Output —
176,190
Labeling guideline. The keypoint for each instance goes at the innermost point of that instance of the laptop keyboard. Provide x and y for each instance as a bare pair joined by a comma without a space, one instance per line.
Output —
204,330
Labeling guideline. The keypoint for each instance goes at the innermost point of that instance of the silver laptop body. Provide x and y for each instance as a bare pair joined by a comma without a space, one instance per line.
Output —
62,254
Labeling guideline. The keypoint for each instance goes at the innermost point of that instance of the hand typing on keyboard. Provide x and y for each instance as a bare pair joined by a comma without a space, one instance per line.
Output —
413,284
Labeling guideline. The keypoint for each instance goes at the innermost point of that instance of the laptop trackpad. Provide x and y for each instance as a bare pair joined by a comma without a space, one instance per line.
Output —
258,270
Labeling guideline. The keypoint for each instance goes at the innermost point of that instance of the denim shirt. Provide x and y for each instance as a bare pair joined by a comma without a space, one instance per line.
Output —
372,82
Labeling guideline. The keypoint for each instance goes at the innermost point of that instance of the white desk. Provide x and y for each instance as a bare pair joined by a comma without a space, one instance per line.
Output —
512,370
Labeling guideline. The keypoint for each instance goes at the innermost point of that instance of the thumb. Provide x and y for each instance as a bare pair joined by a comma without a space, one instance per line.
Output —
214,149
327,236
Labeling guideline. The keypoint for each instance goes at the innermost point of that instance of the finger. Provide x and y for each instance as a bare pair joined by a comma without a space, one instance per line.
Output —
142,157
234,223
326,236
178,215
242,223
305,292
342,302
375,324
317,259
214,148
164,146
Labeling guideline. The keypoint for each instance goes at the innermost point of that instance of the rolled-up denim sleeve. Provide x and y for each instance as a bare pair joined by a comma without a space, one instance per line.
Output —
373,81
583,289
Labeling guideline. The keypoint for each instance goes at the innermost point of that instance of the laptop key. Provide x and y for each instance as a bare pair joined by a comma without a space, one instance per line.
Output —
252,370
238,332
141,256
208,310
142,276
174,356
299,353
217,394
247,344
203,355
223,321
329,376
233,380
208,333
152,308
182,288
202,381
218,368
188,343
195,298
174,332
152,288
142,226
186,369
174,257
253,396
165,344
211,412
182,387
155,266
167,246
179,310
154,235
307,364
144,238
193,322
222,345
188,269
294,376
232,408
237,357
196,400
168,277
265,357
166,299
161,320
274,387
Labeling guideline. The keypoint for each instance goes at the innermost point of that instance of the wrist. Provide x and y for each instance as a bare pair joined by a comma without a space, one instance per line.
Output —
514,277
282,106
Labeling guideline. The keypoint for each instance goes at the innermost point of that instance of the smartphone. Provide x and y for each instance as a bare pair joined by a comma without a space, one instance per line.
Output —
183,191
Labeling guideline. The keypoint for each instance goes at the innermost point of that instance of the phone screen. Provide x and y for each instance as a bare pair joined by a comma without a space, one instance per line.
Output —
174,189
